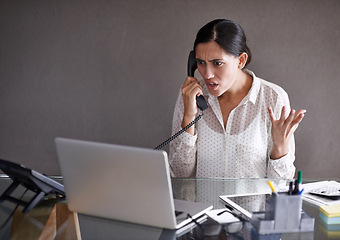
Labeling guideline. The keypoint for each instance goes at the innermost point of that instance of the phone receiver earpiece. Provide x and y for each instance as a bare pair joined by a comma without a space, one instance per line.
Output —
192,64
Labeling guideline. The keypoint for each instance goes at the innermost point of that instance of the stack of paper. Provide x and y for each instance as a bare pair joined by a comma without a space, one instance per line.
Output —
318,200
330,219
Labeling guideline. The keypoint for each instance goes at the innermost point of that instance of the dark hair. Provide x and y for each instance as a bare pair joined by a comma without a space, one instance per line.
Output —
227,34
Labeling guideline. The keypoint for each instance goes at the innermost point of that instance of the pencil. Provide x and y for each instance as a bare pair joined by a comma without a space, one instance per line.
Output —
272,187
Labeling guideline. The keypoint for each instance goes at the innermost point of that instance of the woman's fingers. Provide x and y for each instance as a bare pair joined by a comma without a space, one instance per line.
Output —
290,118
297,119
282,130
290,122
301,114
191,85
271,114
190,89
283,114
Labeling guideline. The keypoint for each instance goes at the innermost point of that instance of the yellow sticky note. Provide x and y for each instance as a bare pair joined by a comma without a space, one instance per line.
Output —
331,210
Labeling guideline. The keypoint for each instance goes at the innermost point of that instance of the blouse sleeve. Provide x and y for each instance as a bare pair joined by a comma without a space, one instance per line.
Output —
284,166
182,151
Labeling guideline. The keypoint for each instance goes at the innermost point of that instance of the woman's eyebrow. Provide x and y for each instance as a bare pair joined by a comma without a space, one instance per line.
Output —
213,60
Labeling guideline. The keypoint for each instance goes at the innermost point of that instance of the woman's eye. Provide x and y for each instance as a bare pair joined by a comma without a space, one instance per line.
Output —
200,62
218,63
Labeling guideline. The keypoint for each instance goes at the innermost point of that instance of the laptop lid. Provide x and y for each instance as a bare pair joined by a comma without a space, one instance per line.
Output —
119,182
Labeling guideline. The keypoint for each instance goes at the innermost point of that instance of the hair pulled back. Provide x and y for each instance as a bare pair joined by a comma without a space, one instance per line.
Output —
227,34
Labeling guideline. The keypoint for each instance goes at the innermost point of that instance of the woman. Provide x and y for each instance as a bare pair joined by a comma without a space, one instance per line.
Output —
247,131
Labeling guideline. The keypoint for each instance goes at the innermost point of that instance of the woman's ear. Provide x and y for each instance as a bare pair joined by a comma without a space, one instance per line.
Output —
242,60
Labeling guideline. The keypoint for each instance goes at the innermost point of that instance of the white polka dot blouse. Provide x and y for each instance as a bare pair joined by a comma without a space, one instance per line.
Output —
239,150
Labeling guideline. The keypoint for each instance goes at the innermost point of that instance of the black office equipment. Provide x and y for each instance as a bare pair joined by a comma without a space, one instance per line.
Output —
192,66
40,184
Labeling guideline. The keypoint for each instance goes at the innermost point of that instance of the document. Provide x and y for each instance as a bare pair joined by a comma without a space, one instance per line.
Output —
318,200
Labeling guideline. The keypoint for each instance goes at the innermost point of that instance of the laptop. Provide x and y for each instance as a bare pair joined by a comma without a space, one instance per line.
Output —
123,183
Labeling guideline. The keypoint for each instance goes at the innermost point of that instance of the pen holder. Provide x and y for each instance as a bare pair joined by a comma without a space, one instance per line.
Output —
285,210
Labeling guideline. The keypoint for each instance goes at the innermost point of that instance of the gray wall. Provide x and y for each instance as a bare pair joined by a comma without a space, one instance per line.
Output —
110,71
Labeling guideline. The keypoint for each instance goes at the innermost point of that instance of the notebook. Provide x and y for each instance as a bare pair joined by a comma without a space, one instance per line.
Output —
123,183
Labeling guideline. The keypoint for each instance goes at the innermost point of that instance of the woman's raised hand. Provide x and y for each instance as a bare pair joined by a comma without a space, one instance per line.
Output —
283,129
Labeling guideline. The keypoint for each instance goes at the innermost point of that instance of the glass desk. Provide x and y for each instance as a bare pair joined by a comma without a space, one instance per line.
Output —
52,218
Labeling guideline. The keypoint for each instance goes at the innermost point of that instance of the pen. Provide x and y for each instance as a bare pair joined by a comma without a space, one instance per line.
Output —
272,187
298,183
300,193
300,177
290,190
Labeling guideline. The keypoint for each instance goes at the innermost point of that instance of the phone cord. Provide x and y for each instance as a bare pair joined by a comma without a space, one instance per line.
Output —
179,132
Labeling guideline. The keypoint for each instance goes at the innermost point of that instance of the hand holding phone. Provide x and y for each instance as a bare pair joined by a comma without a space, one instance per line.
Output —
200,101
192,66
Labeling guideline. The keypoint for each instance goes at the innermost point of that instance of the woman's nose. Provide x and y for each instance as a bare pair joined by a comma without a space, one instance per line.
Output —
209,73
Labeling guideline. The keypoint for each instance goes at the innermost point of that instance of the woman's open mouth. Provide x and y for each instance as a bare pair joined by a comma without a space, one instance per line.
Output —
212,86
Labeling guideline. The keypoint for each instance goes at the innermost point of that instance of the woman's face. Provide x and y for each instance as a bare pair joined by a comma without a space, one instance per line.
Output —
218,69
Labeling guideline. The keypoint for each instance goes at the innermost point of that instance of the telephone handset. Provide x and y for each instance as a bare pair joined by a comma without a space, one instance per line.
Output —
200,101
192,66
